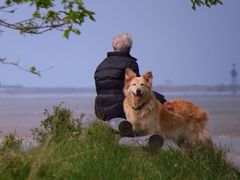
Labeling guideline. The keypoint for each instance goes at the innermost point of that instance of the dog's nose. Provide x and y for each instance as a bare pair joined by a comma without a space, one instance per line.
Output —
138,91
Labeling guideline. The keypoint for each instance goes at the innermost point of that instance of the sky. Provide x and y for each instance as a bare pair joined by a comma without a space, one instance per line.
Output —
180,46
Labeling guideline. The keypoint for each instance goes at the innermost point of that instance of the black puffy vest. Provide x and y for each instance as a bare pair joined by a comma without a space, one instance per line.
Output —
109,80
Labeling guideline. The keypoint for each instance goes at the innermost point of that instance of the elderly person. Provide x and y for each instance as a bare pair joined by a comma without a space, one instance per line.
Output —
109,80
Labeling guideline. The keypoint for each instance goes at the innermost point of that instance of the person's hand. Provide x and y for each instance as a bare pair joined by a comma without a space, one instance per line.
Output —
168,105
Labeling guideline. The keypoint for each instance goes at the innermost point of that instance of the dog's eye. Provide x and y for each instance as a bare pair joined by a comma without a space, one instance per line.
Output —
142,84
134,84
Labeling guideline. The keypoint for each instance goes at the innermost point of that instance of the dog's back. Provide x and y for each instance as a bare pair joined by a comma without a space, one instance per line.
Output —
189,110
191,129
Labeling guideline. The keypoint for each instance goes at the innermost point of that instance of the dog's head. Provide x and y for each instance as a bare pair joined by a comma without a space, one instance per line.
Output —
138,87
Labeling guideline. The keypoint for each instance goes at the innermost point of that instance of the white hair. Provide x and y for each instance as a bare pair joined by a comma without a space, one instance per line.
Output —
122,42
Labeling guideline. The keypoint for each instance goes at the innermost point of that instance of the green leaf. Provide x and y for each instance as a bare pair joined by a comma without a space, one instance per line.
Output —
36,14
194,5
32,69
44,4
8,2
66,33
76,31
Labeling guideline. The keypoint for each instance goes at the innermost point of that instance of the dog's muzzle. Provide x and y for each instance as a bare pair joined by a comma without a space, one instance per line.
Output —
138,94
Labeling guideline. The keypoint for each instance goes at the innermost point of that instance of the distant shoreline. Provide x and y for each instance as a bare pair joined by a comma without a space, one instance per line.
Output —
19,91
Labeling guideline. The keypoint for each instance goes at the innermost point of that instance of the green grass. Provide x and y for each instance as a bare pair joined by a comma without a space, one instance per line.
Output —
93,153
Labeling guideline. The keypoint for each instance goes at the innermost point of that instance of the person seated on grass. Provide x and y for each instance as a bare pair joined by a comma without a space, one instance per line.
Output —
109,81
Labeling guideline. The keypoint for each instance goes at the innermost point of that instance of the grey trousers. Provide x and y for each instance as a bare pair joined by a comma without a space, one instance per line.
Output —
114,122
139,141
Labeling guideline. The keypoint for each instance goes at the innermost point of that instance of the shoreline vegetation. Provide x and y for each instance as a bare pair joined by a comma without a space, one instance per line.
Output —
66,150
93,153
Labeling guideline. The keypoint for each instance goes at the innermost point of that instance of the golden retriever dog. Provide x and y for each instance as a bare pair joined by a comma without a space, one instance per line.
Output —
186,124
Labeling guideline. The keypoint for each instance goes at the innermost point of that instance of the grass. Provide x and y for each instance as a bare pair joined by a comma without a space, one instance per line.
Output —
93,153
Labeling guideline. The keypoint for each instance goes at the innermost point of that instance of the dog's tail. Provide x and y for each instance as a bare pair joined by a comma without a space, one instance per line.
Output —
204,137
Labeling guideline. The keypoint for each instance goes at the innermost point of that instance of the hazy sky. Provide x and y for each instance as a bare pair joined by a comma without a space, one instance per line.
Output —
177,44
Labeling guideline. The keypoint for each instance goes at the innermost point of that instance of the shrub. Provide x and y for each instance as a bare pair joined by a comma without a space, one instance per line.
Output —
11,142
57,124
13,162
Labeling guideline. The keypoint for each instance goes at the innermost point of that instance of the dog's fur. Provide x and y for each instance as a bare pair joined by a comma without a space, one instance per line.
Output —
186,124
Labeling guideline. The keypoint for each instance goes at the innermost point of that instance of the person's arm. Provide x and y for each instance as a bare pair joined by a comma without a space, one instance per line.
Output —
160,97
163,101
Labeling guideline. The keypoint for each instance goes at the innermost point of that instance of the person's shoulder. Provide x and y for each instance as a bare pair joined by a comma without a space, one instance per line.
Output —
135,59
129,57
120,55
102,63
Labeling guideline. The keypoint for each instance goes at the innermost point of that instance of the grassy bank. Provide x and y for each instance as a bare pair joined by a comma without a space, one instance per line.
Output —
67,151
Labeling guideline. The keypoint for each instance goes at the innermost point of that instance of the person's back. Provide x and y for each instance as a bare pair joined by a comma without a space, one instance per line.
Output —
109,81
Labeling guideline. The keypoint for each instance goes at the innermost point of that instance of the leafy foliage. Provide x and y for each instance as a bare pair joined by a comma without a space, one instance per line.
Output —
57,124
11,142
13,162
207,3
64,15
61,15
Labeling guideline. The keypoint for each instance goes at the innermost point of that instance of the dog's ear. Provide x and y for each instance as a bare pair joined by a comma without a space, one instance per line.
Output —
129,75
148,78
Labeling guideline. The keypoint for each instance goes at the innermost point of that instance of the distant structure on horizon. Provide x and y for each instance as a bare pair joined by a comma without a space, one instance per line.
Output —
234,74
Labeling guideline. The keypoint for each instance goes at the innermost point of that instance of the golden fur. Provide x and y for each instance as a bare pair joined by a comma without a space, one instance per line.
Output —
186,124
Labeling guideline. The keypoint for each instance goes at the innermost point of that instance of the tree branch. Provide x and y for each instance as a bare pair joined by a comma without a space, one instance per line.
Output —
44,18
5,7
35,29
32,69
